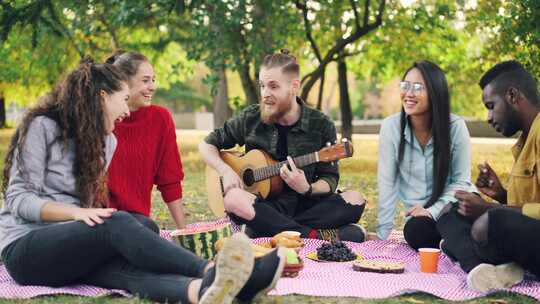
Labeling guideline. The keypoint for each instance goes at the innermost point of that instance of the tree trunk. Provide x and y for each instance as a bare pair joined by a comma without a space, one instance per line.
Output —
221,109
310,82
2,111
344,100
248,85
321,91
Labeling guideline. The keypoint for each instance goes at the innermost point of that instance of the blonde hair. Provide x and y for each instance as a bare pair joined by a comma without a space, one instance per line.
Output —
288,63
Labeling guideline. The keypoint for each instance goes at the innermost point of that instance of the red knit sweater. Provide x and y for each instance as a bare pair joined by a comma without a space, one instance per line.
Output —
146,155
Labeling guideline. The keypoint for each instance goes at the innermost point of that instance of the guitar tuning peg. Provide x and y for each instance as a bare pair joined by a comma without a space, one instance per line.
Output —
334,163
344,140
328,144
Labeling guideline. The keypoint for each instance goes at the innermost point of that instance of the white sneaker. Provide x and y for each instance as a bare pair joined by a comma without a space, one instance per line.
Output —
486,276
234,265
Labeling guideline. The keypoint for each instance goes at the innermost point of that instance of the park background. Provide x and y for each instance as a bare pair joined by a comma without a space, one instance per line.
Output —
207,53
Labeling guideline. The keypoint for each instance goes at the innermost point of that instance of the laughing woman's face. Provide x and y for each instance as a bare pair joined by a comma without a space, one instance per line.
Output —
143,87
414,95
115,106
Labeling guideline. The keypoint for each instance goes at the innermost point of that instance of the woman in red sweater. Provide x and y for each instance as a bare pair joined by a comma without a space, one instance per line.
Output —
147,153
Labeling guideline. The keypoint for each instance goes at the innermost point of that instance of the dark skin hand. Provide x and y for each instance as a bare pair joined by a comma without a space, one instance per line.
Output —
471,205
489,184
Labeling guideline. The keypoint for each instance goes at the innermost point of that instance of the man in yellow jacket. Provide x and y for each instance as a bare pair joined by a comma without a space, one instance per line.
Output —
504,236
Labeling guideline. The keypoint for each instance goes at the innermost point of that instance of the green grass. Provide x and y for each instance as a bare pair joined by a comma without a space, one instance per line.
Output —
358,172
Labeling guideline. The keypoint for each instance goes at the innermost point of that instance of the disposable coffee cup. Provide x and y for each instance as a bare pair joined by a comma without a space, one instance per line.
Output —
429,259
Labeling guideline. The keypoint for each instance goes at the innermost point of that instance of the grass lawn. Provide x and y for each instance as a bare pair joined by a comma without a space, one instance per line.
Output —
358,172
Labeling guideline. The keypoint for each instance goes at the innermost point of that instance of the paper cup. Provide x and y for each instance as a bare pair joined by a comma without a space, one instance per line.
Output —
429,259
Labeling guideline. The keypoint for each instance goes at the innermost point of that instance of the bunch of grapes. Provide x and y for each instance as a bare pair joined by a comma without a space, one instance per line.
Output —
335,252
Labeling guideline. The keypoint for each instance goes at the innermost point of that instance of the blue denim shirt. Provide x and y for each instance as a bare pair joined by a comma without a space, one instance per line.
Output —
412,182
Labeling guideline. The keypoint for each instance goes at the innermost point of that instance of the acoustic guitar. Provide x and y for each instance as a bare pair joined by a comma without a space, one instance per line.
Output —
260,173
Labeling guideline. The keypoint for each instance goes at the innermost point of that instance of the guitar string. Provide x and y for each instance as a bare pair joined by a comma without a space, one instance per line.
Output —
272,170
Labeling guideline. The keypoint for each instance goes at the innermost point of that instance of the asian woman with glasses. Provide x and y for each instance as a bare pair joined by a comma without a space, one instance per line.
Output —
424,157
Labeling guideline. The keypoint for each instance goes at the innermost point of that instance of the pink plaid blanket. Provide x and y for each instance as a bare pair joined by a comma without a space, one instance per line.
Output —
340,280
11,290
325,279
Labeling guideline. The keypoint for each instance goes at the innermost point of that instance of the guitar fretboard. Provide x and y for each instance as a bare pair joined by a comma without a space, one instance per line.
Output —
269,171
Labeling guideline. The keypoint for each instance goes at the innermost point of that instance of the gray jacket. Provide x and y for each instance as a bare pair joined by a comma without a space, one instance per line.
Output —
48,176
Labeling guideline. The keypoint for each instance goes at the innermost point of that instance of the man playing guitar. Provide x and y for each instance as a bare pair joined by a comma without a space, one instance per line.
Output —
283,126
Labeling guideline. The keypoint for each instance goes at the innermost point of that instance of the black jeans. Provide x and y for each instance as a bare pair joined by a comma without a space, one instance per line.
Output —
455,229
421,232
146,222
293,212
515,237
120,253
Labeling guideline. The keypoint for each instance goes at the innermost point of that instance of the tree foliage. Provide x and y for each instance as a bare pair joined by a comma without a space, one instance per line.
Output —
333,29
425,31
237,34
42,39
511,29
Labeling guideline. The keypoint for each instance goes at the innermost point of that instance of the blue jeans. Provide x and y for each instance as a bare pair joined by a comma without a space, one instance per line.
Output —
124,253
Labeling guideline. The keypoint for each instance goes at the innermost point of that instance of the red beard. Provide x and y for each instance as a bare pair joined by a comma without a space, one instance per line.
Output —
272,116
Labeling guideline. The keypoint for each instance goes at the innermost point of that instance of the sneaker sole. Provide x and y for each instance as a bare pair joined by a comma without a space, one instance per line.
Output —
234,265
486,276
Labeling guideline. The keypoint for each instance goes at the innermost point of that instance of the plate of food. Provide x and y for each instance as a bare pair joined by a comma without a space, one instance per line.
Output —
287,239
293,265
379,266
259,250
334,252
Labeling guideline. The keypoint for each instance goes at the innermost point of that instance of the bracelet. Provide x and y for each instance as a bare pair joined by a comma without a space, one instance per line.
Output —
309,191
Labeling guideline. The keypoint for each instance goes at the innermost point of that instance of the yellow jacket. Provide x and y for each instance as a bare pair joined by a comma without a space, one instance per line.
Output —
524,181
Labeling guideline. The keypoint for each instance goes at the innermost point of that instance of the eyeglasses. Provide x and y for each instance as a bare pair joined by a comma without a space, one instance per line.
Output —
417,88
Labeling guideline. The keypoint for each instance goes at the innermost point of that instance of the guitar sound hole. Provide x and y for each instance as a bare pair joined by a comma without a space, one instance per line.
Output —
248,178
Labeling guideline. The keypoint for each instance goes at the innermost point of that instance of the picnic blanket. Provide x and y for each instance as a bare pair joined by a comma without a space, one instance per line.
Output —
324,279
11,290
340,280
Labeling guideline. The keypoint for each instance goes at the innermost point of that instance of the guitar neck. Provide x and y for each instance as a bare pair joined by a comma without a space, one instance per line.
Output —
273,170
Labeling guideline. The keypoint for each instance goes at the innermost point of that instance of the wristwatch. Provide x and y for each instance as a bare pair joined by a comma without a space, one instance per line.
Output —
309,190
